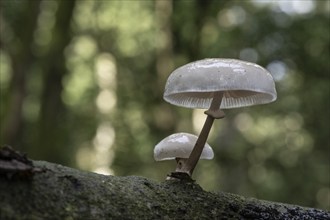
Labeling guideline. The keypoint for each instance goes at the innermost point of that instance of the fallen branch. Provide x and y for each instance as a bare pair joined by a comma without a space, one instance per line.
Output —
43,190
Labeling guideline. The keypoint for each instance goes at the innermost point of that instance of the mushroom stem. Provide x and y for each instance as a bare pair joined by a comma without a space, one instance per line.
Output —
180,163
212,113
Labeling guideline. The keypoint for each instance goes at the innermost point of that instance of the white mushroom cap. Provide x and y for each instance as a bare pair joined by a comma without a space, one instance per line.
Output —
243,84
179,145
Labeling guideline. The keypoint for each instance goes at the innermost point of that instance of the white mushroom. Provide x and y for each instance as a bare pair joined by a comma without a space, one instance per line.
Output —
242,83
216,84
179,146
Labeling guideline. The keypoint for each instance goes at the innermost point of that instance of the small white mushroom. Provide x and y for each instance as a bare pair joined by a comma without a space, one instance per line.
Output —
179,146
216,84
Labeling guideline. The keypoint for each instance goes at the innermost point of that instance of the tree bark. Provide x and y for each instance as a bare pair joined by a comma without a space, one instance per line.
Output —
43,190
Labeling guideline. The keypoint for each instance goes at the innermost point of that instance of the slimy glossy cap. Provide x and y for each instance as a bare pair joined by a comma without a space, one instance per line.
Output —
179,145
243,84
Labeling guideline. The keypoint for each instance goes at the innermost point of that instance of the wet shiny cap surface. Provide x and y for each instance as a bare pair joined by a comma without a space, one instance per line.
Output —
179,145
242,83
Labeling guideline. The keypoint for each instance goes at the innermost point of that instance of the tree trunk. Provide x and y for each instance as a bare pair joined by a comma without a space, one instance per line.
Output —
53,130
43,190
21,56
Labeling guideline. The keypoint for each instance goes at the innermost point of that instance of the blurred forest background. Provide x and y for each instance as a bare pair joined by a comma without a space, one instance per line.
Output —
82,85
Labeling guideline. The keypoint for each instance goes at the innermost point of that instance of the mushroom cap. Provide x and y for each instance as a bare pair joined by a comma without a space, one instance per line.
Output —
179,145
242,83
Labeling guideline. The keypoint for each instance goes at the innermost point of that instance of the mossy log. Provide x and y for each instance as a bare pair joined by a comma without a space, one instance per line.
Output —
43,190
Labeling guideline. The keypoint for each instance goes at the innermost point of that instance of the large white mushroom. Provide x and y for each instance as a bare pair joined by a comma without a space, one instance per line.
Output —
216,84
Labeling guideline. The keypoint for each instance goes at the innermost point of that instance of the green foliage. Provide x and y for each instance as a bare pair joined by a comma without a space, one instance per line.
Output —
86,91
